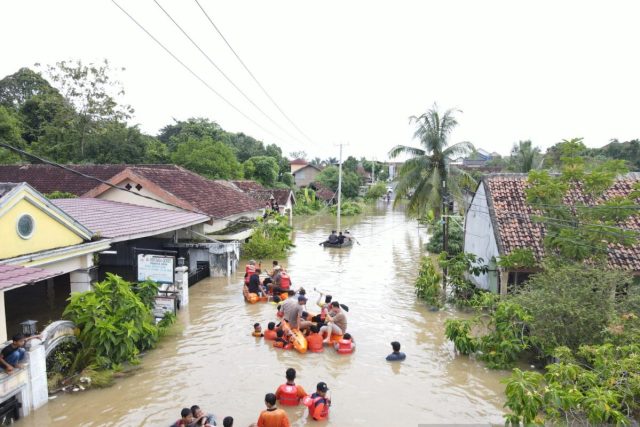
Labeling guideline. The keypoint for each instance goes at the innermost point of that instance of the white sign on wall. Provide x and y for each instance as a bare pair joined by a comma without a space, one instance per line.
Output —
158,268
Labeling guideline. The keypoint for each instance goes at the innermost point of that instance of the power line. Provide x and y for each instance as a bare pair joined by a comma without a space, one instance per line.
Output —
222,72
251,74
87,176
193,73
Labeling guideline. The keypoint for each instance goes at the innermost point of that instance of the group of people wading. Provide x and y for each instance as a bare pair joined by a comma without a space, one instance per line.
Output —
329,326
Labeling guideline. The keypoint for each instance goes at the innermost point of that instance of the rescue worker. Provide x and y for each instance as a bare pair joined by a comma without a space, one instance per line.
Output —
314,340
272,416
249,269
345,345
290,394
270,333
318,403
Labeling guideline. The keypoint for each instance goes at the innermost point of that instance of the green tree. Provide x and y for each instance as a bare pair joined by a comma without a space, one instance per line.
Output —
18,88
193,128
351,181
116,143
93,92
298,155
207,157
572,305
376,191
262,169
455,242
155,152
350,164
9,134
421,176
524,156
576,227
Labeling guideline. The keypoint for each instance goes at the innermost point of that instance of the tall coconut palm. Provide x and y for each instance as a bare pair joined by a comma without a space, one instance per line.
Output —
421,176
524,156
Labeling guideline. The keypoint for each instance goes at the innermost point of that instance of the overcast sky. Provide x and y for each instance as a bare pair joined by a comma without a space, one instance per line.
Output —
354,71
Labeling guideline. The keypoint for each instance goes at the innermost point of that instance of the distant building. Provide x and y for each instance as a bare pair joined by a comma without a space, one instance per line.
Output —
394,169
284,198
303,175
478,159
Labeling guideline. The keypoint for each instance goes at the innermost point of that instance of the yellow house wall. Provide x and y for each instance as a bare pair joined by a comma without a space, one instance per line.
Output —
48,233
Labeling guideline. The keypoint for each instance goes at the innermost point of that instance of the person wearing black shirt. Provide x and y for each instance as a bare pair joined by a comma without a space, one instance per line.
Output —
13,354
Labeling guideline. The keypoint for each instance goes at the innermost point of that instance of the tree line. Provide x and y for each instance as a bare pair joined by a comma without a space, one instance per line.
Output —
71,112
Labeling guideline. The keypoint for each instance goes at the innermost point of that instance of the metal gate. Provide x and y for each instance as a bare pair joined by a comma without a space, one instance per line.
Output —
202,271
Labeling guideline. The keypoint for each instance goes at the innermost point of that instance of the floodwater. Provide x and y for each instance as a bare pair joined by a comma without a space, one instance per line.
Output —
212,360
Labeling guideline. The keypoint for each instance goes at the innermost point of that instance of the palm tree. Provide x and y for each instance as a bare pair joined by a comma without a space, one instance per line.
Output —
524,156
422,176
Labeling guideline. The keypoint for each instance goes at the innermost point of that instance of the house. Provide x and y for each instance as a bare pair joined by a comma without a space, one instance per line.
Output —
283,197
38,234
303,173
323,193
394,169
499,220
478,159
161,186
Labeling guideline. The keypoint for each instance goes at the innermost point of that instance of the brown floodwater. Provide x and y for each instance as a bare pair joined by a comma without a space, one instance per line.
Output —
212,360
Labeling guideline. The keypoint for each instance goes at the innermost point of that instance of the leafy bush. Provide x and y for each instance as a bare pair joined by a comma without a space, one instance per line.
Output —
458,267
115,324
572,305
376,191
60,195
348,208
271,238
307,203
456,238
459,332
428,283
601,385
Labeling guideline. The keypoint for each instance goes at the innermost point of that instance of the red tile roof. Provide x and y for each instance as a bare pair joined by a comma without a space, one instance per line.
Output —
117,221
281,195
217,199
248,185
12,276
514,228
47,178
214,198
322,192
298,162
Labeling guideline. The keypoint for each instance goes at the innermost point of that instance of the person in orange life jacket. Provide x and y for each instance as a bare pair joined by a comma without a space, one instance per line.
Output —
314,340
272,417
324,308
281,341
318,403
290,394
345,345
336,322
249,269
253,286
257,330
270,333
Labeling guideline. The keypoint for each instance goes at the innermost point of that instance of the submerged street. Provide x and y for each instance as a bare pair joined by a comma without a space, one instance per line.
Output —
210,358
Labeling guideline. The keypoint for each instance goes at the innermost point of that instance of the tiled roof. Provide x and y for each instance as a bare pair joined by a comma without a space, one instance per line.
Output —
214,198
6,187
116,220
248,185
48,178
281,195
16,275
322,192
514,228
298,162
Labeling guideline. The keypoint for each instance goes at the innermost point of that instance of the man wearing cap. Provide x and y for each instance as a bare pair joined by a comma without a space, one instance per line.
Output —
293,308
318,403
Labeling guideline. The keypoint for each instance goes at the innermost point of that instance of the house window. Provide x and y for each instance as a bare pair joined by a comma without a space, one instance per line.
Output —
26,225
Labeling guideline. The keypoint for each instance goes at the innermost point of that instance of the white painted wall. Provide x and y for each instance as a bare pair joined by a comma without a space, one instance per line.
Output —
131,198
479,238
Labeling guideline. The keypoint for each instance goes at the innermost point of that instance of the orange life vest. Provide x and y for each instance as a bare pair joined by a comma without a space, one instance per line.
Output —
270,334
285,281
288,395
315,343
318,407
248,271
279,344
345,346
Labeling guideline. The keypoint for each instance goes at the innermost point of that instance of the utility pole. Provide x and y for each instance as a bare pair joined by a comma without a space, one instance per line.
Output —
339,186
445,231
373,170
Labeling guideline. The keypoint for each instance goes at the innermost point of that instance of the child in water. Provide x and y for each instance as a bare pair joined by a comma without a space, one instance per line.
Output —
281,341
257,330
